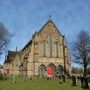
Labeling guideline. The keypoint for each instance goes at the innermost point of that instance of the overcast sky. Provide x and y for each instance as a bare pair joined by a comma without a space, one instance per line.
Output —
24,17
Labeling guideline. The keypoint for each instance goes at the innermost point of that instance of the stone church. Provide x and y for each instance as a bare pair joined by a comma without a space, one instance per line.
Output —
47,48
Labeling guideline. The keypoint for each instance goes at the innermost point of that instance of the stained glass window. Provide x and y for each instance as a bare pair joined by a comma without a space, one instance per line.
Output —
44,48
50,37
57,49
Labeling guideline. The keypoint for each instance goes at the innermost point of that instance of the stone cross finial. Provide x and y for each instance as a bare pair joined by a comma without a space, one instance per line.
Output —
50,16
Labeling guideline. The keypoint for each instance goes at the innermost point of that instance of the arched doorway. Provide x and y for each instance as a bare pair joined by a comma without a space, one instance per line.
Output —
51,70
42,70
60,69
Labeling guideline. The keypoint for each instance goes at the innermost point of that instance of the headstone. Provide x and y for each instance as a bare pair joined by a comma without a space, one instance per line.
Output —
73,80
84,82
1,76
60,77
14,79
63,77
30,78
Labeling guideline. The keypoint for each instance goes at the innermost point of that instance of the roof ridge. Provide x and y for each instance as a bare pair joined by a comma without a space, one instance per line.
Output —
50,20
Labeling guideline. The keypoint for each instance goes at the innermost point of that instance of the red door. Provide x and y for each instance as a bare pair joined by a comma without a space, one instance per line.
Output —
50,71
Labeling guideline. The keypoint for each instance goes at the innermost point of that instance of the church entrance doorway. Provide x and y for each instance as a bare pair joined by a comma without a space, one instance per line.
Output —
60,69
51,70
42,70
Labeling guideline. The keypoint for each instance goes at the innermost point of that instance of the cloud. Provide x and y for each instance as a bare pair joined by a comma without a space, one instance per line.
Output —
24,17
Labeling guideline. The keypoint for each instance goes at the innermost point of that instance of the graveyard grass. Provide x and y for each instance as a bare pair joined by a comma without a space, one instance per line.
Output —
36,84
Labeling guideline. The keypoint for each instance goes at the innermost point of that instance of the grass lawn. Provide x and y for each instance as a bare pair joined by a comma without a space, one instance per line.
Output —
36,84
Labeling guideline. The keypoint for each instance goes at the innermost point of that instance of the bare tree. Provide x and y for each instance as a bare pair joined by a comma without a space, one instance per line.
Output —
81,50
4,38
77,70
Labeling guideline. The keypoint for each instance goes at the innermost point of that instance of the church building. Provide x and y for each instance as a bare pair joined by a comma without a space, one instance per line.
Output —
46,52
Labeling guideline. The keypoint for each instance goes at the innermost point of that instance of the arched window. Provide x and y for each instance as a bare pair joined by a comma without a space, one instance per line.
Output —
42,70
50,41
57,48
44,48
60,69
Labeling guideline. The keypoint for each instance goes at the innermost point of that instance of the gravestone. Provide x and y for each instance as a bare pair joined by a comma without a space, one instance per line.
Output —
14,79
60,78
1,75
84,82
63,77
73,80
